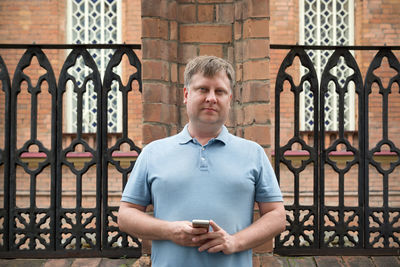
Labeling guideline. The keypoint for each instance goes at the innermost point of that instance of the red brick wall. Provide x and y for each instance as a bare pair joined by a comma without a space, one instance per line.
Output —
160,68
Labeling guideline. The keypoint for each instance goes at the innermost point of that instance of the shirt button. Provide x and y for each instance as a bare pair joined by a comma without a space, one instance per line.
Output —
203,159
203,148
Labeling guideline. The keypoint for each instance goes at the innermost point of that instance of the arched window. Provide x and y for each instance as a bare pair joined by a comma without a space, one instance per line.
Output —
93,22
327,22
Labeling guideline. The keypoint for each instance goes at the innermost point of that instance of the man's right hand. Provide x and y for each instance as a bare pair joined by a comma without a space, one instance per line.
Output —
133,220
182,233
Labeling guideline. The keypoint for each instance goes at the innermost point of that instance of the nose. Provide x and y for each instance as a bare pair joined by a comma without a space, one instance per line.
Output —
211,98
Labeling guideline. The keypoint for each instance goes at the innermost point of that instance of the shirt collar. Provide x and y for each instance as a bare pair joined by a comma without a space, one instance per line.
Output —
184,136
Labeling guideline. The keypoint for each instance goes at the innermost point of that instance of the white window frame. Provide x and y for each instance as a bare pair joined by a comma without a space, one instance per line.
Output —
318,67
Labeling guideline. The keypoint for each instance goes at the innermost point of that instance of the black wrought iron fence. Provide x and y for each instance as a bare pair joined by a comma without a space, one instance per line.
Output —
341,186
55,191
72,173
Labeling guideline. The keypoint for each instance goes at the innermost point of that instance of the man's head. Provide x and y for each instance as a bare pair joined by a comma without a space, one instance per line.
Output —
207,93
209,66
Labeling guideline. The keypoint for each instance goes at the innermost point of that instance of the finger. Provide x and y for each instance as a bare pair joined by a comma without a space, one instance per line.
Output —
185,226
194,244
207,236
208,245
187,230
214,226
216,249
198,231
198,243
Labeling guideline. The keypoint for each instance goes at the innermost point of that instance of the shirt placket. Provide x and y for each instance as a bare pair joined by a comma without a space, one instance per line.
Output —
203,159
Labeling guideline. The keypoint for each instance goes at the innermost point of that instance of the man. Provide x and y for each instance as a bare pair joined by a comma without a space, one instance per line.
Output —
206,173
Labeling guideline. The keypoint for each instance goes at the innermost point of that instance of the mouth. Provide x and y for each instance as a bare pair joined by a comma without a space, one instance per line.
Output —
208,109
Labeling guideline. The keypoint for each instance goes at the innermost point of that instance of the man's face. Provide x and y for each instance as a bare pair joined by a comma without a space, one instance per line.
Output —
208,99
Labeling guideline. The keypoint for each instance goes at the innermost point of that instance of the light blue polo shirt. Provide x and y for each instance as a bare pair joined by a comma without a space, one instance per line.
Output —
185,180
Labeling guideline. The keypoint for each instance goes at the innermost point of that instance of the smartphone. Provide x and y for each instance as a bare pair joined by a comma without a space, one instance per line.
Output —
201,224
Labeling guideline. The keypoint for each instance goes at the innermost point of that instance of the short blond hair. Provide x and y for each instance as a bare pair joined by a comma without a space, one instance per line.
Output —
209,66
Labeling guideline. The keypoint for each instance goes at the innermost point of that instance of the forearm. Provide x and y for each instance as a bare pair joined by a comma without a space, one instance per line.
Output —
137,223
133,220
265,228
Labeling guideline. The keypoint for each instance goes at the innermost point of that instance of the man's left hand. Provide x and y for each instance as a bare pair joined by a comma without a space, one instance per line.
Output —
217,240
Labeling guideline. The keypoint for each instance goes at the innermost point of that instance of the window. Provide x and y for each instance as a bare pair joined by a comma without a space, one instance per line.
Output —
327,22
93,22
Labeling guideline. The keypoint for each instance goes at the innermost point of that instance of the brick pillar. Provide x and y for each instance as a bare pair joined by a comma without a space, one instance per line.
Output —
160,69
205,28
252,102
255,97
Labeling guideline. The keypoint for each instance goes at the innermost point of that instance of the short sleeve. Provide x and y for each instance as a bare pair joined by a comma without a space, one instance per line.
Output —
267,187
137,189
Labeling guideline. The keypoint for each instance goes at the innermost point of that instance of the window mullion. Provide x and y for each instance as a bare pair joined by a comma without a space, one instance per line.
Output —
318,30
102,37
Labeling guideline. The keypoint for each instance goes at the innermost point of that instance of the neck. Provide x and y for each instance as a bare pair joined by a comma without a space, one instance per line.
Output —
205,134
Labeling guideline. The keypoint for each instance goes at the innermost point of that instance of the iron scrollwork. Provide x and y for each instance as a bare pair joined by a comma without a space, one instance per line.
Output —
382,223
4,158
355,228
31,227
341,225
113,238
37,231
301,230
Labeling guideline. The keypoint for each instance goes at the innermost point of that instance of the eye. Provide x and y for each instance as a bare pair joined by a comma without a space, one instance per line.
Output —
220,92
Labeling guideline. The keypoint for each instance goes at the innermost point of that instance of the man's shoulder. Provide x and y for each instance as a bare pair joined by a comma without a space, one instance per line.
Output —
245,149
237,140
162,143
164,140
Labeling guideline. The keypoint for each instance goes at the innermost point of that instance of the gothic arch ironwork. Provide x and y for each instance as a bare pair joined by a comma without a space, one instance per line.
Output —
324,228
59,230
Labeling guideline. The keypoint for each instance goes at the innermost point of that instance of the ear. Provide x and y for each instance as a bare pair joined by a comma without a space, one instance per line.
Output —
185,95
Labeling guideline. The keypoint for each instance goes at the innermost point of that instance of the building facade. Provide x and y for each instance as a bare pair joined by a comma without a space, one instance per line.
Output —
171,33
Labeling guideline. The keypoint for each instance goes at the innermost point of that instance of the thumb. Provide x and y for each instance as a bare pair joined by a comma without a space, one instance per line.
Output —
214,226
